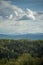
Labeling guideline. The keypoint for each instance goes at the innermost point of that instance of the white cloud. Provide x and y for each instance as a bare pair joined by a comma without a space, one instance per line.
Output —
30,14
21,27
11,16
7,9
16,11
4,4
16,20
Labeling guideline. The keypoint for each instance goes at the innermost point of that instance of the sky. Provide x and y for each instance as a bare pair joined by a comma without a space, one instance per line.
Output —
21,16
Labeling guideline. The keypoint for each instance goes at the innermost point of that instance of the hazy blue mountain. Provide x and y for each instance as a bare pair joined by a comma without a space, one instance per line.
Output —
24,36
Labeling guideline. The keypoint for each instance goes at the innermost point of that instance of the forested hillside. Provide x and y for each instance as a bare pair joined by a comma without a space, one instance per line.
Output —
21,52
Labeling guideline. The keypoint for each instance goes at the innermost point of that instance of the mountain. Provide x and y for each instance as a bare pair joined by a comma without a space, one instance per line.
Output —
24,36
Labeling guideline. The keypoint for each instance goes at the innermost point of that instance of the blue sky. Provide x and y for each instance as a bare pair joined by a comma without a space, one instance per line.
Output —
32,4
21,16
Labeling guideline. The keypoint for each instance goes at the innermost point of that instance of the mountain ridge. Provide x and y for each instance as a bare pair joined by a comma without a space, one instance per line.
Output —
36,36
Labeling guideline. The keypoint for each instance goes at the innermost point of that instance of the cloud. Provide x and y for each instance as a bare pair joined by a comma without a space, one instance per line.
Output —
14,20
30,14
1,18
4,4
20,27
7,9
10,11
39,15
10,17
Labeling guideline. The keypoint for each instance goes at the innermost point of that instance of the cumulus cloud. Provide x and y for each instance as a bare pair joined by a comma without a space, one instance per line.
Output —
16,20
7,9
30,14
11,16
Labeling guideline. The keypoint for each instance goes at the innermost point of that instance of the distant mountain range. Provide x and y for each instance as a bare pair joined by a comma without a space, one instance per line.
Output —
24,36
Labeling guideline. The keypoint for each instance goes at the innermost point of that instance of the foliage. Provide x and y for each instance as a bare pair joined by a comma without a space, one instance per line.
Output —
21,52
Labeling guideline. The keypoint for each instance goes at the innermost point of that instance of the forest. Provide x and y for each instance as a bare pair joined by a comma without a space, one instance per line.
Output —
21,52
